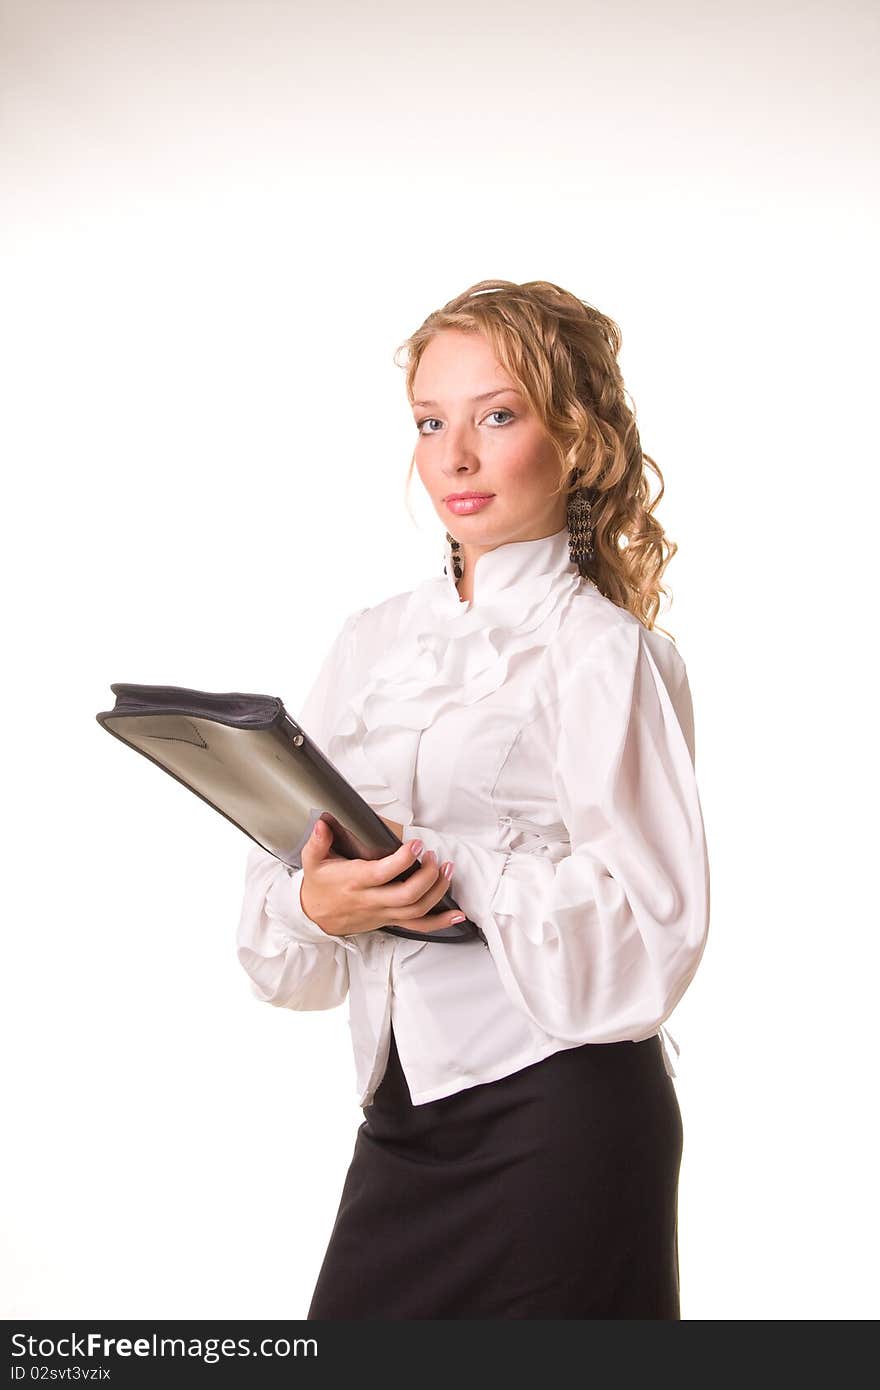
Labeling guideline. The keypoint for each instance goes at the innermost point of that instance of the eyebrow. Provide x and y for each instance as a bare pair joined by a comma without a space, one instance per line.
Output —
487,395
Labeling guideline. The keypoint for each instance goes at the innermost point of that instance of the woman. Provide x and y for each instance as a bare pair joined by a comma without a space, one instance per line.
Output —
526,730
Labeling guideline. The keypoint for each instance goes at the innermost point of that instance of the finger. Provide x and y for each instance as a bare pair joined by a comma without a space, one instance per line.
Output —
432,895
317,846
426,876
436,922
383,870
420,892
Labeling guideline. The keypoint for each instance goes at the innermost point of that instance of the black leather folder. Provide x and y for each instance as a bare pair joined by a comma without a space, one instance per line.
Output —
245,756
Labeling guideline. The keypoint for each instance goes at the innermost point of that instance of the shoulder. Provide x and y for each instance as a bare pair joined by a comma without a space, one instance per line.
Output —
597,634
377,624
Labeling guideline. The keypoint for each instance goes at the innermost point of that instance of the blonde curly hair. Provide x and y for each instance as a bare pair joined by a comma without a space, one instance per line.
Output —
562,354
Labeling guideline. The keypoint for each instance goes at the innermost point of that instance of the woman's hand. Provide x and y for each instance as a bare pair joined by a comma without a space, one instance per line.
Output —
347,896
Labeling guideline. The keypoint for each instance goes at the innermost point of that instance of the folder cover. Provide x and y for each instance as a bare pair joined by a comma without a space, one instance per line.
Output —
245,756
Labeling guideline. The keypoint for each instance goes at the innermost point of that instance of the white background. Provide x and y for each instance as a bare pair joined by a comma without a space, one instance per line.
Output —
220,219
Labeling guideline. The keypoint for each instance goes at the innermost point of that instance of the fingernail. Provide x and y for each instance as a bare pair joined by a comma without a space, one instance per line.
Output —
416,846
448,870
459,917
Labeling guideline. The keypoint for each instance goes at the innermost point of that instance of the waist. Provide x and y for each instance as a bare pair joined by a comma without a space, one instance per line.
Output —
569,1075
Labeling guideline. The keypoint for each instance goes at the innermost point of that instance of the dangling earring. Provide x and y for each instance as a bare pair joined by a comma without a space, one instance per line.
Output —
580,524
457,557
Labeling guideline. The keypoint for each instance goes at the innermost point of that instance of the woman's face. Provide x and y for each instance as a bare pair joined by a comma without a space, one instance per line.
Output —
477,434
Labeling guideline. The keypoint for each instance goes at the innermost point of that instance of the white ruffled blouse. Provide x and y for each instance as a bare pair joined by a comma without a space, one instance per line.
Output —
542,739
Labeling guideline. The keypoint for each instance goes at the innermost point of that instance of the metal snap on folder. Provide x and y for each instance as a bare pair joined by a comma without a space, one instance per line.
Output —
245,756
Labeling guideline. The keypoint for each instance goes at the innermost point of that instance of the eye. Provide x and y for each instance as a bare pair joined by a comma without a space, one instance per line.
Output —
432,420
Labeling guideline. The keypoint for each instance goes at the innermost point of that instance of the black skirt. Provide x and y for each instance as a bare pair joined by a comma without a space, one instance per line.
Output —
550,1193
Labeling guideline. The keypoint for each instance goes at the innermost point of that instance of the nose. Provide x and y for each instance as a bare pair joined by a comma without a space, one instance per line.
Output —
459,451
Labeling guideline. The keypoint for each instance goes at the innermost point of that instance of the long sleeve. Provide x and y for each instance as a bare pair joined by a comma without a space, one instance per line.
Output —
292,962
601,945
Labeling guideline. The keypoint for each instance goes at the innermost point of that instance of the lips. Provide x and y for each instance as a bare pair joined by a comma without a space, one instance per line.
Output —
468,504
467,496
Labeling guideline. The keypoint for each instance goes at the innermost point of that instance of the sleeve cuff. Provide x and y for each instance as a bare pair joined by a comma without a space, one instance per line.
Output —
284,905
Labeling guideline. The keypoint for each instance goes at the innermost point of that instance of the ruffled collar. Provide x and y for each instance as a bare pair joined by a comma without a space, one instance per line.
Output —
509,566
449,653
